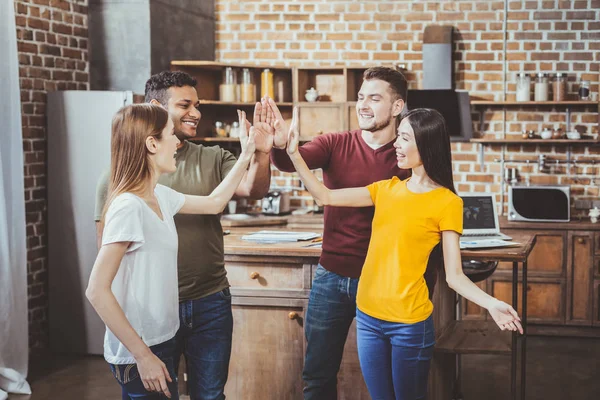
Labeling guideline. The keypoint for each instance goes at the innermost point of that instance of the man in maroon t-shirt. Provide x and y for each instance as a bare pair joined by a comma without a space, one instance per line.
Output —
348,159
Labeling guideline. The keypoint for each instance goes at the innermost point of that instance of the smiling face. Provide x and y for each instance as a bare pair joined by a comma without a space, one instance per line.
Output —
166,149
407,152
183,109
376,107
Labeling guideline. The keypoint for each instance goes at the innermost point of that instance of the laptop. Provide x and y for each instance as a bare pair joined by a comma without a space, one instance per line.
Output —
480,222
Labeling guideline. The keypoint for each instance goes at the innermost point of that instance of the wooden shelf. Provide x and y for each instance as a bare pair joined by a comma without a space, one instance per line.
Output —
238,104
474,337
533,103
537,141
213,139
219,65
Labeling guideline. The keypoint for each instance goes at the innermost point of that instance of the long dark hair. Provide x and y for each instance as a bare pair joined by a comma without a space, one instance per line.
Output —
433,144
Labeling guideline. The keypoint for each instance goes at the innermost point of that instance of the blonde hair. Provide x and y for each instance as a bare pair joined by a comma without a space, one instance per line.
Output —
130,169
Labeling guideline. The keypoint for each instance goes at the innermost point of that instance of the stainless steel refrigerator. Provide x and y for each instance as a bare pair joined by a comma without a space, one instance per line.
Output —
79,127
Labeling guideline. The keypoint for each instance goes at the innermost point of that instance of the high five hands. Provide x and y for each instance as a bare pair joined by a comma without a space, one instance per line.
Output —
269,126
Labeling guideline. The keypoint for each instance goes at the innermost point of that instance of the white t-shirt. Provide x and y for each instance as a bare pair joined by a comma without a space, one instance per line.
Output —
146,283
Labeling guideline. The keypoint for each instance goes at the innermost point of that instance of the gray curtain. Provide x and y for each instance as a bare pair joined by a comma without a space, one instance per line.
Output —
14,347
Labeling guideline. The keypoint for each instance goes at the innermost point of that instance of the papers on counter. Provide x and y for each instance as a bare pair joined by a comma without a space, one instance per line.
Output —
279,236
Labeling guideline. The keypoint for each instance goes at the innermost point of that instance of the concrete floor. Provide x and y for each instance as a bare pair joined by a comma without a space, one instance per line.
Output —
557,369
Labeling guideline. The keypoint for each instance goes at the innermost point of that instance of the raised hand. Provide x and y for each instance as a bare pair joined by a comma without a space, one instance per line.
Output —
263,139
505,316
262,125
294,135
278,123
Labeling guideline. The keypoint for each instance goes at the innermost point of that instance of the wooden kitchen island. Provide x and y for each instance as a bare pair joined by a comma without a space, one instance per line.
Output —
270,284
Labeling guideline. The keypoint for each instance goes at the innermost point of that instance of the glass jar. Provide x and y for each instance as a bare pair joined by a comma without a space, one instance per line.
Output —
542,87
559,87
266,84
220,129
227,89
584,90
247,87
523,87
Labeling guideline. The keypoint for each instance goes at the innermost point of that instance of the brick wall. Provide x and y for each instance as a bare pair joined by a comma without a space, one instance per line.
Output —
493,40
52,45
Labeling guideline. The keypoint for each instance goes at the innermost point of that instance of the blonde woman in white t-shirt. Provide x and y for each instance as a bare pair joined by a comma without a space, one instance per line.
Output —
133,284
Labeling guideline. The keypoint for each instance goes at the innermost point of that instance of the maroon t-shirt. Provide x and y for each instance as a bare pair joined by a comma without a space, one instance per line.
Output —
347,161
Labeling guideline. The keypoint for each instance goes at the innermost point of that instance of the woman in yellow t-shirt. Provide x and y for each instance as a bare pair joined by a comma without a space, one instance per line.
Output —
394,324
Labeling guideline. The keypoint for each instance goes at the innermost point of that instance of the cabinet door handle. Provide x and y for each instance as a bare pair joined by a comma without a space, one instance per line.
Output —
580,240
293,315
254,275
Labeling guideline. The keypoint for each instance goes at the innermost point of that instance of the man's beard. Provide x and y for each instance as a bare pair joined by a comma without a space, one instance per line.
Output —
377,126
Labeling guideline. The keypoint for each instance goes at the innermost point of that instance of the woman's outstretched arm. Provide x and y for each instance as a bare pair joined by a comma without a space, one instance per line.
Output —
352,197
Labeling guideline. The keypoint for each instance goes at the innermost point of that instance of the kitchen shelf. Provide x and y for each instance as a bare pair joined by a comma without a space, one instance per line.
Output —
238,104
533,103
586,142
474,337
213,139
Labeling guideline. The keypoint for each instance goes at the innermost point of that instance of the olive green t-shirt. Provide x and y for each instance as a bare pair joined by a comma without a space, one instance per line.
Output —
201,265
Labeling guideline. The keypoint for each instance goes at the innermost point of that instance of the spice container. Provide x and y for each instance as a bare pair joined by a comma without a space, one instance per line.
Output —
584,90
247,87
266,84
523,87
559,87
542,87
227,89
220,129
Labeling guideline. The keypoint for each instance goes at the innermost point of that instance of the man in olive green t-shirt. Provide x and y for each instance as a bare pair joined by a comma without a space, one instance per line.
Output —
206,321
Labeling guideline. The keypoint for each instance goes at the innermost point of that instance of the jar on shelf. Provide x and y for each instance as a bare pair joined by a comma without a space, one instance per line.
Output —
228,89
266,84
247,87
584,90
523,87
559,87
220,129
542,87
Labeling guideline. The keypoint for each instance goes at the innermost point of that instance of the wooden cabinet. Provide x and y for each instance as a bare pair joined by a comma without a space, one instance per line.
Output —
268,349
579,278
545,299
546,266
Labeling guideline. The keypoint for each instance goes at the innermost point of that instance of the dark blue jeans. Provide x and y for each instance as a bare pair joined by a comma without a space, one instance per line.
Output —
394,357
331,309
204,337
132,386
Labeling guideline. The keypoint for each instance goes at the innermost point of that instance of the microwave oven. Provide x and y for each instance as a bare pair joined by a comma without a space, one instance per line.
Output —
539,203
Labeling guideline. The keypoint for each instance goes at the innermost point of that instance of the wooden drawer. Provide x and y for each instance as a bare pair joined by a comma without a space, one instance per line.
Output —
545,299
268,276
548,257
597,268
597,243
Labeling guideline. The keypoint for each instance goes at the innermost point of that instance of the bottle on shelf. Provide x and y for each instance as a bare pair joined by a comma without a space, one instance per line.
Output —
523,87
266,86
541,87
248,89
228,88
559,87
584,90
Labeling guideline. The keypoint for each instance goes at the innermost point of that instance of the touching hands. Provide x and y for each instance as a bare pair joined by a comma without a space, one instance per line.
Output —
247,136
280,136
293,135
505,316
263,121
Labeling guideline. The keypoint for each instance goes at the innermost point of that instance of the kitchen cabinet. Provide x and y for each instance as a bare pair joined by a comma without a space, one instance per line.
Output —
563,273
579,278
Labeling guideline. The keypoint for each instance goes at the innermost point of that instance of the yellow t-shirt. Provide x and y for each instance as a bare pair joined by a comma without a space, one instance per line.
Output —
406,228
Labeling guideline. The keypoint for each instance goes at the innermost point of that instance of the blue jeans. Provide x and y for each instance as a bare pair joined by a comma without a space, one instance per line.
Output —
132,386
204,336
331,309
394,357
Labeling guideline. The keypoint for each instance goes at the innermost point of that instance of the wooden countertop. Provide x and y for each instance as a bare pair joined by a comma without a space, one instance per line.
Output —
316,220
234,245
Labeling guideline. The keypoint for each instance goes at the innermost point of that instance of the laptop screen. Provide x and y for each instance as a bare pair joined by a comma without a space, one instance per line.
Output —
478,212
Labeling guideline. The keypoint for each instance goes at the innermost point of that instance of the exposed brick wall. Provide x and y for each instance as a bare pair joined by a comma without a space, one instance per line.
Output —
491,45
52,46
